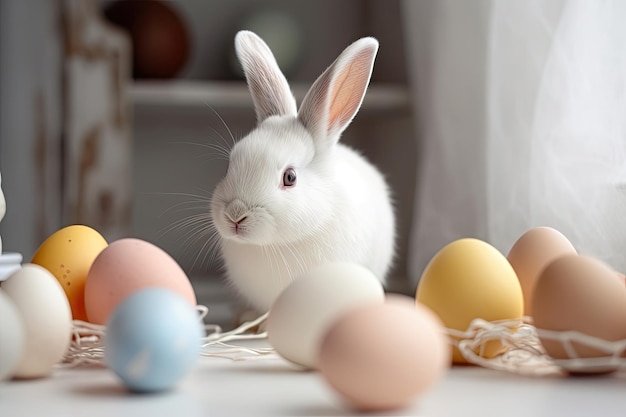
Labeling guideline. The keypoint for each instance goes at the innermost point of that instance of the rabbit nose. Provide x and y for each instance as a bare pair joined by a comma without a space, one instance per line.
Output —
236,211
238,224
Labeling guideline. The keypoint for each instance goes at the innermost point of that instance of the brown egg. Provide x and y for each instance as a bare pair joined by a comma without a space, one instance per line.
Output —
381,356
582,294
531,253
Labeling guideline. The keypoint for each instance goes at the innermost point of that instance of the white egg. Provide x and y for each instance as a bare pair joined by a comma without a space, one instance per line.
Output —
47,319
12,340
302,313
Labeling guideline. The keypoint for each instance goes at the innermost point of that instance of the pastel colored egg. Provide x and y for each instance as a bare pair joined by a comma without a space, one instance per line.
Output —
68,254
46,316
383,356
531,253
126,266
152,340
470,279
12,340
582,294
300,315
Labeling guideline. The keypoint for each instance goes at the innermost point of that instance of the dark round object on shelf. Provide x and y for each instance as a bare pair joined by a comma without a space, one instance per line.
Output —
159,36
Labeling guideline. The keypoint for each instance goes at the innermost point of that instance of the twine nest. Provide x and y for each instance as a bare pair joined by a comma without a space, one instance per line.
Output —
522,351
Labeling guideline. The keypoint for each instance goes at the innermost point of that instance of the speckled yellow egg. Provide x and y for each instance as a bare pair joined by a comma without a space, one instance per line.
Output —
470,279
68,254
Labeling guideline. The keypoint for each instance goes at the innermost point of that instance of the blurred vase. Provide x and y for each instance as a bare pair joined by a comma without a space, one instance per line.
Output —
159,36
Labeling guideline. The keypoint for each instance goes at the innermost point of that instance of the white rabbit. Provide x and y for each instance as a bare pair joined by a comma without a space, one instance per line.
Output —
293,197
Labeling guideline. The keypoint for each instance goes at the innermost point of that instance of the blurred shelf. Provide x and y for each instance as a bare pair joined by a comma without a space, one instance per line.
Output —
235,95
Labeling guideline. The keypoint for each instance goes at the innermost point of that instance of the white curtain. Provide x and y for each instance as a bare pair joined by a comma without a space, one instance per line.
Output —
521,109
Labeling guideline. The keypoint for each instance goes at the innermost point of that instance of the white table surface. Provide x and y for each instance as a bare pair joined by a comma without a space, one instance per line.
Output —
270,386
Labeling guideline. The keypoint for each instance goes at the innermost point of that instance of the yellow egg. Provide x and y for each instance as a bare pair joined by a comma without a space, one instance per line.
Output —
469,279
68,255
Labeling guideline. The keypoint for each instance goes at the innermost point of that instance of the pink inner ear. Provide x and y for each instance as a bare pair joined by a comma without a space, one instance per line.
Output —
348,90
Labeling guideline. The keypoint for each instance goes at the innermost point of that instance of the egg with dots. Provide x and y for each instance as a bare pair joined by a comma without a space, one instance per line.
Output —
581,294
531,253
470,279
126,266
68,255
383,356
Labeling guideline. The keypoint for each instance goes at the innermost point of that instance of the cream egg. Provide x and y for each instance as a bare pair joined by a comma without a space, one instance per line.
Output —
47,319
12,340
302,312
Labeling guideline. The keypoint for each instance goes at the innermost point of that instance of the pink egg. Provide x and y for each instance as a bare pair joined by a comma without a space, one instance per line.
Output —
381,356
128,265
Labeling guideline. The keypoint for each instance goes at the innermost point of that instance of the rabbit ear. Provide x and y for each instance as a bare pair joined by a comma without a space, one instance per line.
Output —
269,88
336,96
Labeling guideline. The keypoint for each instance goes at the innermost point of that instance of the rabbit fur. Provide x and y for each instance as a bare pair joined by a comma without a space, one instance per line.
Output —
339,206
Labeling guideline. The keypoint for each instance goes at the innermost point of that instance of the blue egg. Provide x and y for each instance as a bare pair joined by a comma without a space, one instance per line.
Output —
152,339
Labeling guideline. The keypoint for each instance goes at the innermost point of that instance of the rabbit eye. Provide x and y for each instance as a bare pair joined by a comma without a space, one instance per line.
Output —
289,178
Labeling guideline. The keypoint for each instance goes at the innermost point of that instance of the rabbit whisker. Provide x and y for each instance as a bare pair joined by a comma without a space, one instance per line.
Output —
232,137
273,257
196,197
185,206
218,151
298,260
185,223
209,247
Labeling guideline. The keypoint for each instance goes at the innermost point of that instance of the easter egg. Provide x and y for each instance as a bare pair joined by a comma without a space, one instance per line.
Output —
469,279
12,340
531,253
46,316
382,356
128,265
300,315
68,254
153,339
582,294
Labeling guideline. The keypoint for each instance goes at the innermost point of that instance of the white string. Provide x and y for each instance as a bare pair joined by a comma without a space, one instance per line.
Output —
524,354
86,347
613,351
87,344
218,339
